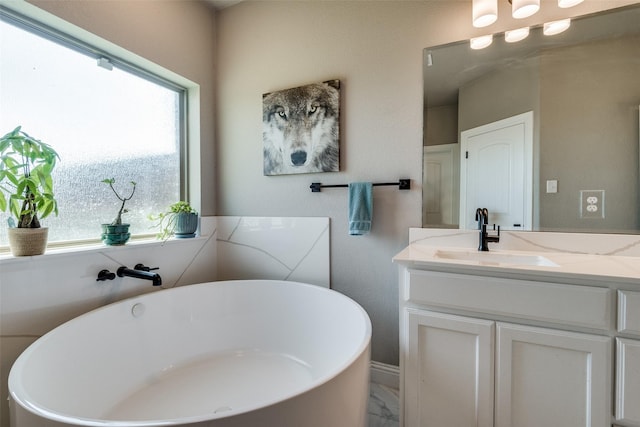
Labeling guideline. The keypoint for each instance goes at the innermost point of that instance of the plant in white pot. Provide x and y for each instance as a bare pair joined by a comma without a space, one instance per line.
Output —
180,221
117,233
26,185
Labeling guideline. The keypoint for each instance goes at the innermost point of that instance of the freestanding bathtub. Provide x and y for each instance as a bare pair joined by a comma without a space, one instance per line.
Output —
221,354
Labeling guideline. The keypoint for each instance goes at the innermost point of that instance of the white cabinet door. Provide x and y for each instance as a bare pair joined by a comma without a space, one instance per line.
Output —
548,377
448,371
628,381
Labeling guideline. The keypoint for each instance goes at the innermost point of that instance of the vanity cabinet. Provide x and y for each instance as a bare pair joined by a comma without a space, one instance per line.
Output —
547,377
486,351
449,370
627,407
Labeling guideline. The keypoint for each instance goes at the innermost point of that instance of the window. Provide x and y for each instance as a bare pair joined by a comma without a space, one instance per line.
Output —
104,117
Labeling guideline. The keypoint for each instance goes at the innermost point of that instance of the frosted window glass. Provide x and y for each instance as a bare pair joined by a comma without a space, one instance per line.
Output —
103,124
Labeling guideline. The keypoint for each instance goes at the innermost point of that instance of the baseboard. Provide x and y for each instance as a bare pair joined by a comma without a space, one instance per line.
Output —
388,375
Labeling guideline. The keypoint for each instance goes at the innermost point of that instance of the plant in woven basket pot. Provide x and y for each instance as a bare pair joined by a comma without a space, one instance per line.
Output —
117,233
180,221
26,190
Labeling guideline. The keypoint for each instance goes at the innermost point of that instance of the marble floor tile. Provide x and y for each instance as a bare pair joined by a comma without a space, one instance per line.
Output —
384,407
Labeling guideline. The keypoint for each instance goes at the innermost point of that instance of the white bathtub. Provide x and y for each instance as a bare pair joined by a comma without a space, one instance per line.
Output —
221,354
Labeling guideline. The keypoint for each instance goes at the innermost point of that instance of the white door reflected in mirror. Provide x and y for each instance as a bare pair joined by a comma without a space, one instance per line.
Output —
496,161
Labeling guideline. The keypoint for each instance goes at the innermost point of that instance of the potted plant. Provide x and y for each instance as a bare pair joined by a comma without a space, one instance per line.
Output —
180,220
117,232
26,165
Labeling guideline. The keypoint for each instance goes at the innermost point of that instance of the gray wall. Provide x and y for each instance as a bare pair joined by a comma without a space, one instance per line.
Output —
443,125
375,49
499,95
589,138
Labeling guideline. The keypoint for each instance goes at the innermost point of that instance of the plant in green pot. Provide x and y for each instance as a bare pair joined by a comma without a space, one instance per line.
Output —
117,233
180,221
26,184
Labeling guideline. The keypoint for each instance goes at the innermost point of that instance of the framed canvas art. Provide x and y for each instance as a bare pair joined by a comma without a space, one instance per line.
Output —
301,129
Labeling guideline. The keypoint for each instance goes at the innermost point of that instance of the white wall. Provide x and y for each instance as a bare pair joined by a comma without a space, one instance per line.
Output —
375,49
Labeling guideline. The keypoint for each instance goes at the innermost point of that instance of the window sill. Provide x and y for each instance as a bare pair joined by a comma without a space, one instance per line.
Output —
71,248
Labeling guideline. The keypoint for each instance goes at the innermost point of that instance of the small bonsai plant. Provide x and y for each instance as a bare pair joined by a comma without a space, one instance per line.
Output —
118,219
180,220
26,165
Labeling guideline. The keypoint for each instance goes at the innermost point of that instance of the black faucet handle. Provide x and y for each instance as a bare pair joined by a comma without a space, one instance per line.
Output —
105,275
142,267
482,216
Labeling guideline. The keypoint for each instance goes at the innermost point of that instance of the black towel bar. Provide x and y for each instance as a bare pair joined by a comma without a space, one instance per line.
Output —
403,184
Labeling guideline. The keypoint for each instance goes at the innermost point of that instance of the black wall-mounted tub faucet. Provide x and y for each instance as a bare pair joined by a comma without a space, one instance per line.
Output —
140,271
140,274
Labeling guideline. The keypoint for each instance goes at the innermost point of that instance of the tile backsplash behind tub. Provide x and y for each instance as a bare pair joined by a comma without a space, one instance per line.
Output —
294,249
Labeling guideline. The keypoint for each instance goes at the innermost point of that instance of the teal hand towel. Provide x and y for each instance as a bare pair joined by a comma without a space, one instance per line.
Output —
360,208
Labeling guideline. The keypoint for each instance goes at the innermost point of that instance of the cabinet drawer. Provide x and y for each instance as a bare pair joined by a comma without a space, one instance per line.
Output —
629,312
584,306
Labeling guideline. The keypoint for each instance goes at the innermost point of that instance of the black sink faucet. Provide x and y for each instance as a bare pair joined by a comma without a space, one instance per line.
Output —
482,216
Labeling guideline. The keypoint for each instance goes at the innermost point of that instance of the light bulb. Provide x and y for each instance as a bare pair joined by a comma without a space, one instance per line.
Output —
556,27
485,12
524,8
513,36
481,42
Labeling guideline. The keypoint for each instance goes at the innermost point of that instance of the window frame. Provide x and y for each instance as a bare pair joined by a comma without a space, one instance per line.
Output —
55,29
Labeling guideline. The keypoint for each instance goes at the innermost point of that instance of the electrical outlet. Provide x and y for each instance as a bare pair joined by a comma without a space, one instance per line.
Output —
592,204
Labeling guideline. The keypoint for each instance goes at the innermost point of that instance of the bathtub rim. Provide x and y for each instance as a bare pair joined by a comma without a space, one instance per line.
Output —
24,401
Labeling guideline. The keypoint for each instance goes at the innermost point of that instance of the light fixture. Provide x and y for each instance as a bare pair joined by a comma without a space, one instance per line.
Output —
481,42
568,3
513,36
556,27
524,8
485,12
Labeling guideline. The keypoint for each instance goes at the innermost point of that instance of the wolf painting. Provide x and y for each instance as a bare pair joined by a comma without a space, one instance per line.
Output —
301,129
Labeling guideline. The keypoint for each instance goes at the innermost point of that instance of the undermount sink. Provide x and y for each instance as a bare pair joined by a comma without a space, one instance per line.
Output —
495,258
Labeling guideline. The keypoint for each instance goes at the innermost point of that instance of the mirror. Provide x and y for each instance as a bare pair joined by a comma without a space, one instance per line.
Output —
583,90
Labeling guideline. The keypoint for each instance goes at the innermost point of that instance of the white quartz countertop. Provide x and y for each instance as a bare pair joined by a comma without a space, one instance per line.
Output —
552,264
451,256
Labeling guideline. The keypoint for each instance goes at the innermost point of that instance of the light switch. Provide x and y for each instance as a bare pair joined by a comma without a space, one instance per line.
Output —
552,186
